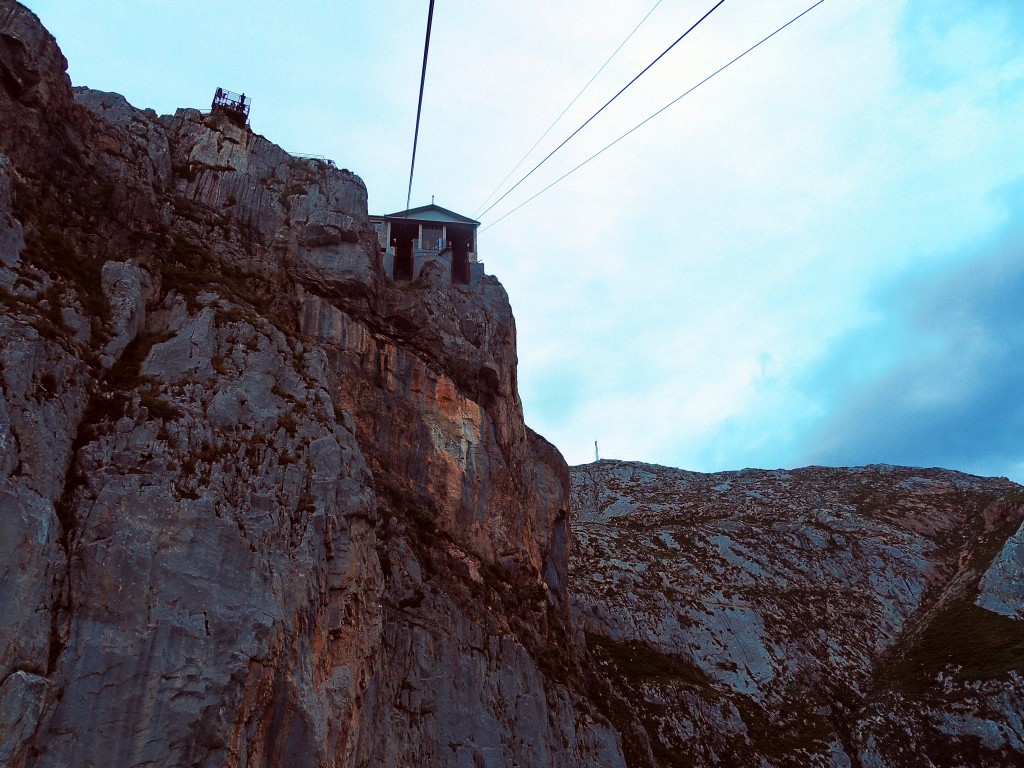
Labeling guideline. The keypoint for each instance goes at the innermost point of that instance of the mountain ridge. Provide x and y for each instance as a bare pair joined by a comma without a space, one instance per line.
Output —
803,604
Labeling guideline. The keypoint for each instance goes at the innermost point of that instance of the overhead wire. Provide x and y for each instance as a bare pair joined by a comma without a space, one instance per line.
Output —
567,108
644,122
606,104
419,104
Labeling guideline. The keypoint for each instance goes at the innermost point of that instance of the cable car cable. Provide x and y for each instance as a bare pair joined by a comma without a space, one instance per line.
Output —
613,98
671,103
567,108
419,105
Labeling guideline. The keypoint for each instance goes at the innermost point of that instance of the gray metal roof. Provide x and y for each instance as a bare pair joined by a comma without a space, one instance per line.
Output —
430,213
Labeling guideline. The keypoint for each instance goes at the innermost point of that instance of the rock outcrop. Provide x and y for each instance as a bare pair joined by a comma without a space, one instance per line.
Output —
262,506
258,504
833,617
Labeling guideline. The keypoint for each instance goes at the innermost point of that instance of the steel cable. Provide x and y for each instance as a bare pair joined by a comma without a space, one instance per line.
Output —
613,98
419,105
644,122
567,108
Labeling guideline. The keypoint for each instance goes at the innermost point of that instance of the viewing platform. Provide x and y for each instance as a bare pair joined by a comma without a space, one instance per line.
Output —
409,238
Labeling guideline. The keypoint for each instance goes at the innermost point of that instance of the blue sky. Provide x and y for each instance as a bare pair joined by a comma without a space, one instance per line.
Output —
814,258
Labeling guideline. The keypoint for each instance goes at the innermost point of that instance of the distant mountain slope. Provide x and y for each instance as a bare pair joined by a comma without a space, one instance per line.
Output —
807,617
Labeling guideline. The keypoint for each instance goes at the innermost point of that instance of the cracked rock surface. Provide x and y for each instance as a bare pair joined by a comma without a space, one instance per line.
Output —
835,617
259,506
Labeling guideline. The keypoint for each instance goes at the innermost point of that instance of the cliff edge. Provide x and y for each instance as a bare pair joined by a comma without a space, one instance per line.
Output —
259,504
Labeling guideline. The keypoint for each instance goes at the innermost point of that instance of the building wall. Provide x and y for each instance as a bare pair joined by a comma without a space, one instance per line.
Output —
420,254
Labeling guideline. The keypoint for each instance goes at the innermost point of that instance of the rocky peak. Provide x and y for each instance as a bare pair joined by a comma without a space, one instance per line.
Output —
33,71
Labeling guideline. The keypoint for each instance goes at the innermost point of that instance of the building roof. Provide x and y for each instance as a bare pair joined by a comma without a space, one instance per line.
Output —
431,213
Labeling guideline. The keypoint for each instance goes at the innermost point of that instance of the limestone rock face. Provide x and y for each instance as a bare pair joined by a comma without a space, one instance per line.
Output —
1002,587
808,617
258,505
11,238
126,287
217,560
32,68
261,506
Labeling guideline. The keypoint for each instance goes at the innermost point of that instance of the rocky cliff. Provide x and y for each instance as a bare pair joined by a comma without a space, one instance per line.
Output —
261,506
818,617
258,505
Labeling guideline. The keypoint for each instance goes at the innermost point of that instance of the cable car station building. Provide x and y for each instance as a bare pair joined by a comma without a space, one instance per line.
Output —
410,238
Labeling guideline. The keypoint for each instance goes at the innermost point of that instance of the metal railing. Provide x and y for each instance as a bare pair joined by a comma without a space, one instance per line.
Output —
233,102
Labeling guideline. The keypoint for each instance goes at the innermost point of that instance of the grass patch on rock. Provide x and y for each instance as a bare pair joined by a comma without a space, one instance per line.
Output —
638,661
632,666
963,640
959,638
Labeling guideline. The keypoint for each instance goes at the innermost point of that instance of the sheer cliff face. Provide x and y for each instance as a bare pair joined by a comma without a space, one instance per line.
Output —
258,505
867,617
